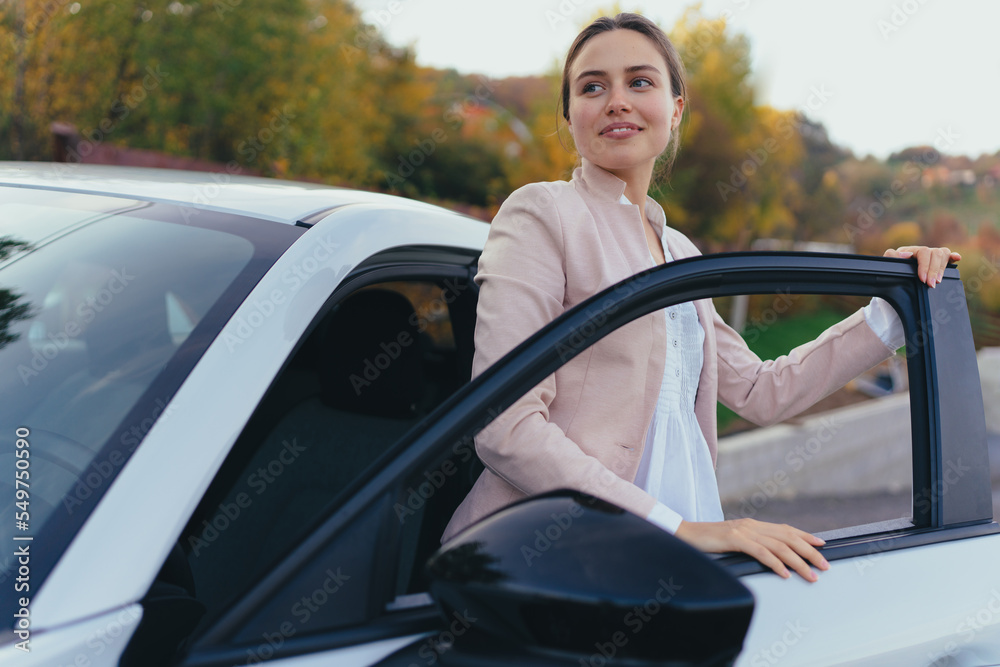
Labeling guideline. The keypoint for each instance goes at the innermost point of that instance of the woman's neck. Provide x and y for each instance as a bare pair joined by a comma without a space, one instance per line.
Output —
636,184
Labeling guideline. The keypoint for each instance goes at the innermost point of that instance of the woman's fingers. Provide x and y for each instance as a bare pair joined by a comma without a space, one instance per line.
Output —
767,558
792,549
931,262
776,546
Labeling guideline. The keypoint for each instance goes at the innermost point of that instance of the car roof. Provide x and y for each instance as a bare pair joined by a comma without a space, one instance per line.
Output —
266,198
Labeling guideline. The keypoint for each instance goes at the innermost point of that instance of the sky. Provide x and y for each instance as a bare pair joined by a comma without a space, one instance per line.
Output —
881,75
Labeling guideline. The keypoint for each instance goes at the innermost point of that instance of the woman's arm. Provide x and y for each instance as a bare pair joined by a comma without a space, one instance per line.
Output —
766,392
772,390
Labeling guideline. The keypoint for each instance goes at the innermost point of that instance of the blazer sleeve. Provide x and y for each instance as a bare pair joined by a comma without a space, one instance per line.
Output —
522,279
766,392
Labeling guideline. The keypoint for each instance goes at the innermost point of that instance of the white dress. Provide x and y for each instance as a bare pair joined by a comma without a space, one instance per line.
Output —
676,466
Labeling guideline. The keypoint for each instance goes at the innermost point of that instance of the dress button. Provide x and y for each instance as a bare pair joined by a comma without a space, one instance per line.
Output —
675,342
673,315
677,372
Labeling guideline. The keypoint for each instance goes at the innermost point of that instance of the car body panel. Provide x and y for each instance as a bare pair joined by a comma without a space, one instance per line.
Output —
175,463
265,198
896,607
98,641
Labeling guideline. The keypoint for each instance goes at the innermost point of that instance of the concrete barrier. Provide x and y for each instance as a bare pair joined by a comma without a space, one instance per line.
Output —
858,449
861,448
989,375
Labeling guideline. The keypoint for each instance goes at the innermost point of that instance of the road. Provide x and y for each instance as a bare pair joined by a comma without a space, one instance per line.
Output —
826,513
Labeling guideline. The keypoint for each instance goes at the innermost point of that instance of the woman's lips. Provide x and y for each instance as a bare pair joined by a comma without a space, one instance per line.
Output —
620,131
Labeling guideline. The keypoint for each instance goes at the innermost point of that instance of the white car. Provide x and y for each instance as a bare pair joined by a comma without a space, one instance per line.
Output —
236,417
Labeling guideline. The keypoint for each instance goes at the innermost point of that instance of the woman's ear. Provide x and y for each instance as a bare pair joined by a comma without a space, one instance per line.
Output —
675,120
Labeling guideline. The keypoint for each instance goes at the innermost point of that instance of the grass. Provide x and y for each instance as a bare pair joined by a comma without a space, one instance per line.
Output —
770,341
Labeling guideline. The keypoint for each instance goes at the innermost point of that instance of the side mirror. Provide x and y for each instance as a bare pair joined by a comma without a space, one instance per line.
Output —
567,577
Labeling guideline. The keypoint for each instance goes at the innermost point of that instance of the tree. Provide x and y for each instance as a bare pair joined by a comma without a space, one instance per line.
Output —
733,179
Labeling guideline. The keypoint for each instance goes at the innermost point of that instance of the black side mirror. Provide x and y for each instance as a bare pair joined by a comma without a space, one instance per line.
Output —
566,577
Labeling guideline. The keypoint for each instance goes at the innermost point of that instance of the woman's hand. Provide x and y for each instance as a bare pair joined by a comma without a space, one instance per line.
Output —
931,262
776,546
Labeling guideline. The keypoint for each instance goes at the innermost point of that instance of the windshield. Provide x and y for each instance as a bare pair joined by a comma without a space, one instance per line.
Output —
105,306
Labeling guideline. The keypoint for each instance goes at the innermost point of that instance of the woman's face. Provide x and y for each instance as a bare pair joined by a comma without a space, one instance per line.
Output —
621,110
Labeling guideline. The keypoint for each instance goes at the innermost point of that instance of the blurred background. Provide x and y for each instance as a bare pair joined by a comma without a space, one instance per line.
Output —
850,127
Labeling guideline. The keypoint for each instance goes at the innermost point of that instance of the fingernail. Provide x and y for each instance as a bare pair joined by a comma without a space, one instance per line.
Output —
940,276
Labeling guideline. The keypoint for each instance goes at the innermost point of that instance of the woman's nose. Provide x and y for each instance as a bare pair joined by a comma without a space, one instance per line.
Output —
618,101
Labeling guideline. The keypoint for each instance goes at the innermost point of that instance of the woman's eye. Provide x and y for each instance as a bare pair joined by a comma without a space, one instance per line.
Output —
641,83
591,87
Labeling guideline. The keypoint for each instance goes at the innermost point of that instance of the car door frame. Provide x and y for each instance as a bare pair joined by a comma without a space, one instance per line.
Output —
939,349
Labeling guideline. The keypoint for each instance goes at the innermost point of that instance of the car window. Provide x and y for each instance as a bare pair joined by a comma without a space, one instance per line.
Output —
100,299
380,360
845,461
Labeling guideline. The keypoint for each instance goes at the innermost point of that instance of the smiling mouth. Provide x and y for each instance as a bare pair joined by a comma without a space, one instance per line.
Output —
622,130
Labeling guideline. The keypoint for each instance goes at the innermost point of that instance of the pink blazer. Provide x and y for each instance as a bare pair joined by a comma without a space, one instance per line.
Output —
551,246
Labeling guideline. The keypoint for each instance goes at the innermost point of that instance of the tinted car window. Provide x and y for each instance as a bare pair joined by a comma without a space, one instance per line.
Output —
98,299
382,358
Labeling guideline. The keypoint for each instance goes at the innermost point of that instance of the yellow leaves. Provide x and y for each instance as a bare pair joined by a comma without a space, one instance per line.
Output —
902,233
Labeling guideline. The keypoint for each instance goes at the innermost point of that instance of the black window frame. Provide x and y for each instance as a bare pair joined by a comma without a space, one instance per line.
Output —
945,426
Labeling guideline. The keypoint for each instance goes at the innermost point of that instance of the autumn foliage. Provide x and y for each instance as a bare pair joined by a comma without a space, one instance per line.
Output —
307,89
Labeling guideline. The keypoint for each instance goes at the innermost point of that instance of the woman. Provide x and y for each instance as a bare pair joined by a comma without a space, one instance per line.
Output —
632,418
